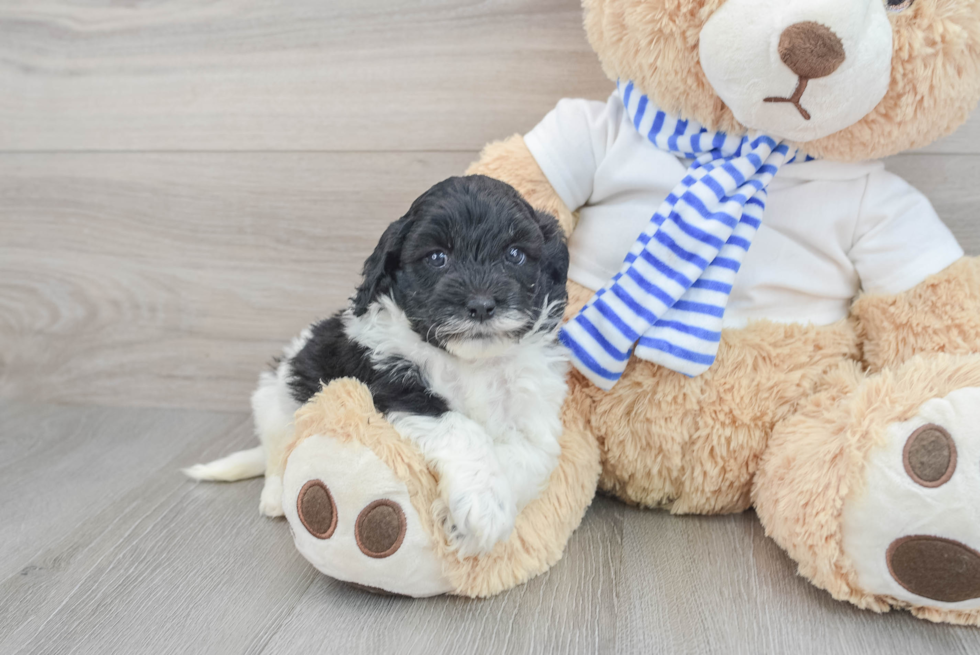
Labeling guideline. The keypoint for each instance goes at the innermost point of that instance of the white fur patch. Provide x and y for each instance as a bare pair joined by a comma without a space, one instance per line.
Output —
494,451
273,407
272,413
478,503
498,446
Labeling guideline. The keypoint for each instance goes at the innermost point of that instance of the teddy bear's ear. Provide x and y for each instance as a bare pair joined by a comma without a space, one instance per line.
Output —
380,267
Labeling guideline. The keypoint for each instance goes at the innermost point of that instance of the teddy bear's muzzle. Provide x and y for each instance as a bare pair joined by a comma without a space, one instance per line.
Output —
812,51
838,52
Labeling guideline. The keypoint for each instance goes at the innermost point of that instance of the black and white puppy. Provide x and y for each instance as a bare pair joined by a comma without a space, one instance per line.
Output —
454,330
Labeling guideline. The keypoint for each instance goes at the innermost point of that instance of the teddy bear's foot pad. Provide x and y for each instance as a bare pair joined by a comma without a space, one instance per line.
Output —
912,530
352,518
935,568
316,509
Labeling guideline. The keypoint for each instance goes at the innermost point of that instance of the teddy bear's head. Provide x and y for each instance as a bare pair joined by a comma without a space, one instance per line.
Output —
847,79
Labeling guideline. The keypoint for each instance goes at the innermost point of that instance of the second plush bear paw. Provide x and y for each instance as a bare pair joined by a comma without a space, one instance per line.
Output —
913,530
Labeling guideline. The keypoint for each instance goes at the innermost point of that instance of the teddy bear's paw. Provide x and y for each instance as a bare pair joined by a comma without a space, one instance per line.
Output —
481,511
912,529
353,519
270,503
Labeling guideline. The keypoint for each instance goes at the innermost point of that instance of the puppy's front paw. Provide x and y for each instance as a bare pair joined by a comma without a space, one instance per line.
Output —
270,504
481,512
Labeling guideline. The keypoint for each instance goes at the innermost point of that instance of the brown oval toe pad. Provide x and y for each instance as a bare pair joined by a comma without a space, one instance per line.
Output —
930,456
935,568
316,509
380,528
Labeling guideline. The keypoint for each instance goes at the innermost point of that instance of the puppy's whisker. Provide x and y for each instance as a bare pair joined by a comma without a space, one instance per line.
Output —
546,323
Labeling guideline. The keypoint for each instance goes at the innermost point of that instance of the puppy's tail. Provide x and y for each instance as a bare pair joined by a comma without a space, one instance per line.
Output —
237,466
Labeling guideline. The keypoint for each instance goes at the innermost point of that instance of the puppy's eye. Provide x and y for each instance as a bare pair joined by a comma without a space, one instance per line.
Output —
896,6
437,259
516,256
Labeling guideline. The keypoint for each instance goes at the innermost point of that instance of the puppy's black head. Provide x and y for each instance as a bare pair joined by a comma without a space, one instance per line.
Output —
473,266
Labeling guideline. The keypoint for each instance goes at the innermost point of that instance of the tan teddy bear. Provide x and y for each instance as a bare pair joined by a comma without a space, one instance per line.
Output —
818,360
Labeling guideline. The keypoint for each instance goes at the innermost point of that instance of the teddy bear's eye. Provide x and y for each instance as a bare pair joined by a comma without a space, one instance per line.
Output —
896,6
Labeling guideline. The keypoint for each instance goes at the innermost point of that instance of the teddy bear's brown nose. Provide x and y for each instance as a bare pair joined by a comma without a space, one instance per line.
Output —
811,50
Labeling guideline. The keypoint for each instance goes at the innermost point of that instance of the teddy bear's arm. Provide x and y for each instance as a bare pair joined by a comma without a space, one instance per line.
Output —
510,161
939,315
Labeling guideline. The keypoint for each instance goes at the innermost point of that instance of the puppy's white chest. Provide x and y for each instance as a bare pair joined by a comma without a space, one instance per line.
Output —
517,393
520,393
486,392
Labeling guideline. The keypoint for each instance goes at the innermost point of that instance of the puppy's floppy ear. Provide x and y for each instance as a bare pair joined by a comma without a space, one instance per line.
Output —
380,267
554,255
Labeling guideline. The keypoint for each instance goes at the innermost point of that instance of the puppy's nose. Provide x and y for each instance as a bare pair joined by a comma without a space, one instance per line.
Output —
481,307
811,50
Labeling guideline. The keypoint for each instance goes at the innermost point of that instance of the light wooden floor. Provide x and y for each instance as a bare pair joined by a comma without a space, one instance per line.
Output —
186,184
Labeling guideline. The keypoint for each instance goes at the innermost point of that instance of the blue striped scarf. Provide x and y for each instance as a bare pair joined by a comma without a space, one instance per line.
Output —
667,303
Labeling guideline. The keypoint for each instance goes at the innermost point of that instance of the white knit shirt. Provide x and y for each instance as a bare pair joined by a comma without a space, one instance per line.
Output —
830,229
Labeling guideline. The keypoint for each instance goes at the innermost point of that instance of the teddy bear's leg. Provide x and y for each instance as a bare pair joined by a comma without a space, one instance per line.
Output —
872,487
692,445
363,506
350,507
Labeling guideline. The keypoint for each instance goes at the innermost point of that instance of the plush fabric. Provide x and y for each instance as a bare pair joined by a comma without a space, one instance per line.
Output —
938,316
935,76
816,459
695,446
921,564
344,411
332,451
855,441
829,230
667,303
835,67
317,510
